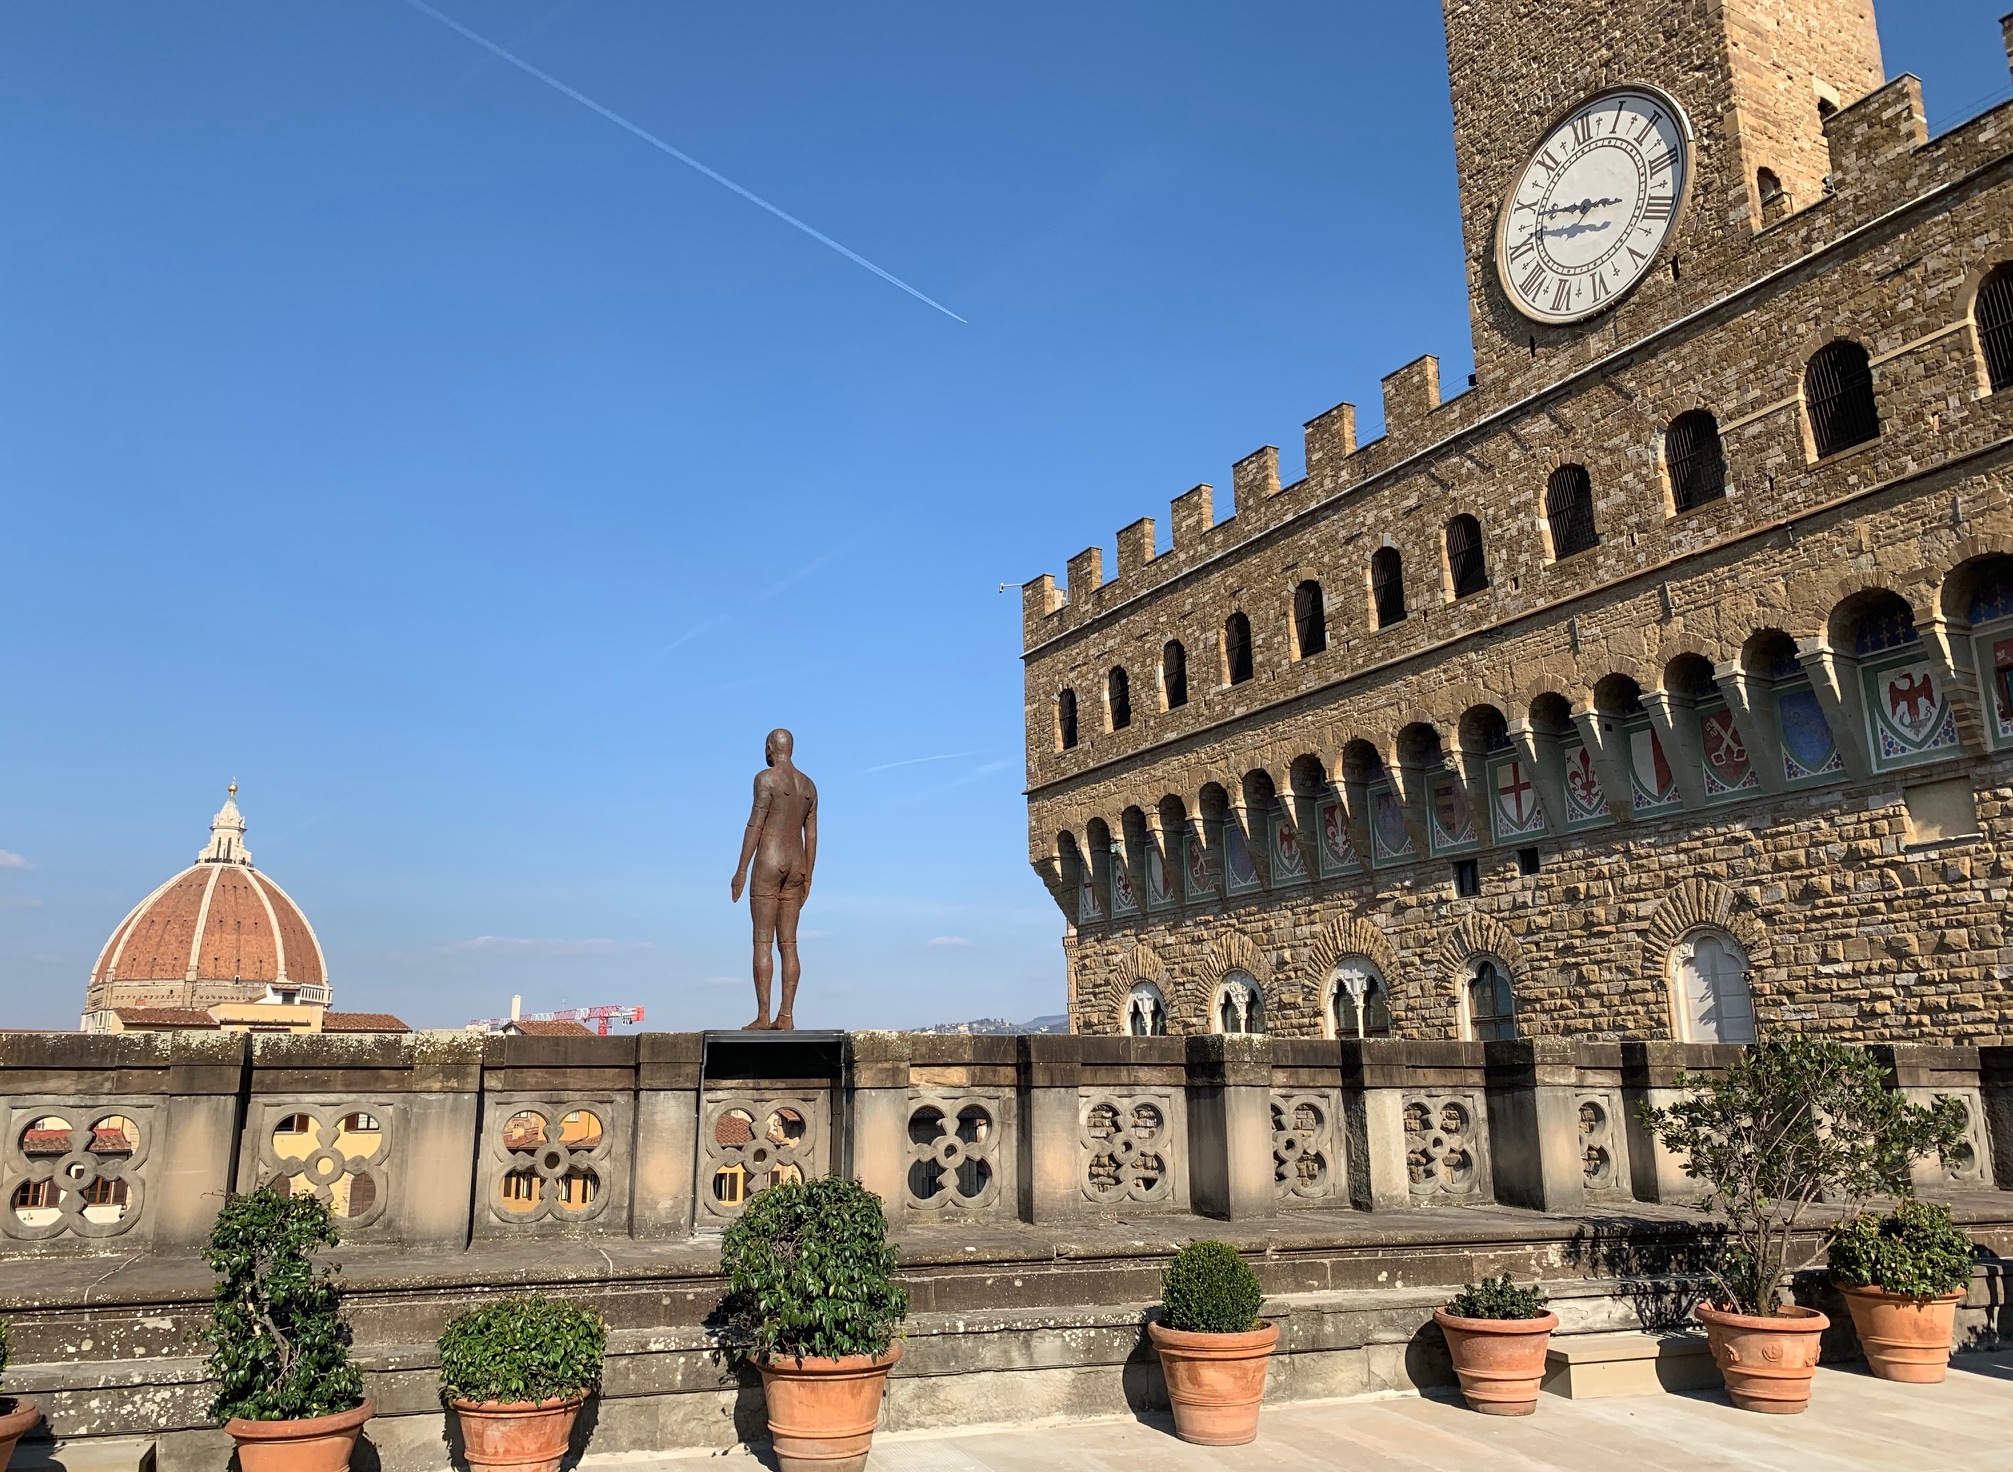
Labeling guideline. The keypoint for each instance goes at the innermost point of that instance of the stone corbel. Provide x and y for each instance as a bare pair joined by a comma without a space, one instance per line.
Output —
1834,679
1672,717
1949,645
1414,786
1471,770
1540,754
1752,702
1607,744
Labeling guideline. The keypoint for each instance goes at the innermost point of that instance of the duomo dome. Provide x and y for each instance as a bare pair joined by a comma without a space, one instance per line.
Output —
218,932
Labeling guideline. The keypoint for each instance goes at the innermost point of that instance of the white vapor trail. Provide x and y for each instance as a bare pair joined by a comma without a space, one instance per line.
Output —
684,158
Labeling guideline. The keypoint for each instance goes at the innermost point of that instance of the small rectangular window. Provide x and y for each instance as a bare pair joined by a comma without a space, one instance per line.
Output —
1467,878
1528,861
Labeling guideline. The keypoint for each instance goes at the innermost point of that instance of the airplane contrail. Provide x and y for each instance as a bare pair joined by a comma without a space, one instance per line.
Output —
678,153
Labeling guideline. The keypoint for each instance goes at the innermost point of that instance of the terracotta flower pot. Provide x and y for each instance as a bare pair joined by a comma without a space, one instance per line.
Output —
1214,1381
16,1424
517,1436
822,1412
320,1444
1904,1338
1766,1360
1501,1362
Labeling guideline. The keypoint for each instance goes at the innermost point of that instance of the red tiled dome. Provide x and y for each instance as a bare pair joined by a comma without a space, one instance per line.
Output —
218,930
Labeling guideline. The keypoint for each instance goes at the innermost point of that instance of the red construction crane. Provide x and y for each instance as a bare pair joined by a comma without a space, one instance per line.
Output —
600,1017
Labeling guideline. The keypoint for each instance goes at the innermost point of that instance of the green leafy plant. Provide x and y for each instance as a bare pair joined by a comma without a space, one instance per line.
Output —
810,1273
1498,1299
1914,1250
1787,1126
1210,1289
279,1346
532,1348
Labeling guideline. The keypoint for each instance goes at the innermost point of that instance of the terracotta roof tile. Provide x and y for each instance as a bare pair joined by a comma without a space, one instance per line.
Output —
362,1022
164,1017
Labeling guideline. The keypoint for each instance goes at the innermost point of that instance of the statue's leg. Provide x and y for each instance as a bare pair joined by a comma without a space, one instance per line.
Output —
788,908
763,908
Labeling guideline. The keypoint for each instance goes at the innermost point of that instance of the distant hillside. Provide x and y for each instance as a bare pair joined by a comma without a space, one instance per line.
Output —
995,1025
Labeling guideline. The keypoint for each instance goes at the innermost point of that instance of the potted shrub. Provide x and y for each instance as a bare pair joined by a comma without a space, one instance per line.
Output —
1788,1126
1213,1351
1497,1335
516,1373
279,1349
17,1417
812,1294
1902,1276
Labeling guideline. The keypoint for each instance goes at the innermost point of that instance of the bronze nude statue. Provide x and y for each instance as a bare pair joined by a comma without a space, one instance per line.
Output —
782,840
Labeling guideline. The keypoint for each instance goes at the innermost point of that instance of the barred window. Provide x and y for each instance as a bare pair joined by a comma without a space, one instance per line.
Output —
1838,392
1310,619
1464,556
1237,648
1492,1010
1994,314
1696,460
1569,510
1118,696
1174,673
1387,585
1065,718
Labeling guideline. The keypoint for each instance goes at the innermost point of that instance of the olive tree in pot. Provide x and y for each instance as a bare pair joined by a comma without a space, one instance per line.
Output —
1791,1131
17,1417
1213,1350
279,1349
1902,1276
1497,1335
516,1373
814,1306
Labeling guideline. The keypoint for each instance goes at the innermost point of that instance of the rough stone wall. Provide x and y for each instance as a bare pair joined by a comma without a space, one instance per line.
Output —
1891,258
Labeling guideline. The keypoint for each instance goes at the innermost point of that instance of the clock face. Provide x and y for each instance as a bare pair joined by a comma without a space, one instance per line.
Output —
1594,205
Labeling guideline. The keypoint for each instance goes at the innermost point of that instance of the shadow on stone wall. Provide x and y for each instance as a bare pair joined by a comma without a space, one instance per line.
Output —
1663,1272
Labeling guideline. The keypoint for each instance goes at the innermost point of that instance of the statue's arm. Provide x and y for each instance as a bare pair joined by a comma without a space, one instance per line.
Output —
810,835
752,835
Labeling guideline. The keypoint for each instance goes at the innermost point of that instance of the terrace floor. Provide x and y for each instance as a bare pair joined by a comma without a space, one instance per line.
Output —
1855,1422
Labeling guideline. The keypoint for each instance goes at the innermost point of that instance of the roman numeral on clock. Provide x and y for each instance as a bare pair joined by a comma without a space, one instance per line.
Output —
1662,161
1562,296
1583,129
1533,279
1659,206
1600,288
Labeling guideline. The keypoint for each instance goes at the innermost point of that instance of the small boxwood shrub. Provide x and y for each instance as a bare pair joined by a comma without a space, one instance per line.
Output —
1915,1250
532,1348
1209,1289
279,1349
1498,1299
810,1273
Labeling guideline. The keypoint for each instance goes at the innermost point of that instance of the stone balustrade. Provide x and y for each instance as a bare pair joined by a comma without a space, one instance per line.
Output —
125,1143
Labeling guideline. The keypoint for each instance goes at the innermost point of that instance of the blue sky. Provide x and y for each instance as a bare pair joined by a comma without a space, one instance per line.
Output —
476,485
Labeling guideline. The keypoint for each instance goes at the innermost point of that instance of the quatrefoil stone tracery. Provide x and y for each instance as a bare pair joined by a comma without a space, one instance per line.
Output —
1303,1145
1126,1144
552,1161
76,1171
1442,1145
945,1153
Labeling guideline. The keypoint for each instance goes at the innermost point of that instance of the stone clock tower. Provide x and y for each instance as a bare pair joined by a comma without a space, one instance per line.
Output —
1617,157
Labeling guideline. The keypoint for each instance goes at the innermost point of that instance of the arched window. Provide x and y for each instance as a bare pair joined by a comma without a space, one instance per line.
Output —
1146,1012
1118,696
1994,315
1713,1002
1240,1006
1174,673
1387,585
1359,1004
1569,511
1492,1011
1696,460
1884,621
1774,198
1464,556
1237,648
1065,719
1310,619
1838,393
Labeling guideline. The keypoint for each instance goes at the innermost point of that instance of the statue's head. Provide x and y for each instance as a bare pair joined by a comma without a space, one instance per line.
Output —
779,744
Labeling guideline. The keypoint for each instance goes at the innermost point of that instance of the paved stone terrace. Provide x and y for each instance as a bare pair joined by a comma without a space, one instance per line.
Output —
1856,1422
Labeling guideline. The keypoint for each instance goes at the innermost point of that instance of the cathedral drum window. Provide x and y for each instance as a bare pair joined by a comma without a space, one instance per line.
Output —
1594,206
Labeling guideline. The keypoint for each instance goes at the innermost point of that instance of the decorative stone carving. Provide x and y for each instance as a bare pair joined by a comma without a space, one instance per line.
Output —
1446,1143
74,1169
1970,1164
956,1151
549,1160
1128,1147
748,1141
1307,1161
1602,1163
340,1150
